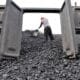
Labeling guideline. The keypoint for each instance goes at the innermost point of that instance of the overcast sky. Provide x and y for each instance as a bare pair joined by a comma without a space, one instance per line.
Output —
31,21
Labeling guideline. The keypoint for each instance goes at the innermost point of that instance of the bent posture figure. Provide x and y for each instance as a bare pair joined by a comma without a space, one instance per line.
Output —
47,29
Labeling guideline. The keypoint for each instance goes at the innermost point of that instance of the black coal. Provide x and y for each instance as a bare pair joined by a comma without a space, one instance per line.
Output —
39,60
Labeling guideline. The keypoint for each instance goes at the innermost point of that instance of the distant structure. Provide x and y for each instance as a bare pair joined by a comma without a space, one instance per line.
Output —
1,15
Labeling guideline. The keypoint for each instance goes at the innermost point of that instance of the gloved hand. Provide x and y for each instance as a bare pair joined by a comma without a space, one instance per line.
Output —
37,30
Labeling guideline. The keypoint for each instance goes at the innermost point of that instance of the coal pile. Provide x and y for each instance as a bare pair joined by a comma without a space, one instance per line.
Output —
39,60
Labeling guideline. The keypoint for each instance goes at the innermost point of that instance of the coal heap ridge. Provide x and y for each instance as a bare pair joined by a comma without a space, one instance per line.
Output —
39,61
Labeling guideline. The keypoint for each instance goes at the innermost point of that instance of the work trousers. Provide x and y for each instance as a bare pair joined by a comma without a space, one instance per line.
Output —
48,33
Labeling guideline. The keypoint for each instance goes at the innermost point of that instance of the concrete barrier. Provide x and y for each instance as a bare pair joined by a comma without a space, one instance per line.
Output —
70,28
11,30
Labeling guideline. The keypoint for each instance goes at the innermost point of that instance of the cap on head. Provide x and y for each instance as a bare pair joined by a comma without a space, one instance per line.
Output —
42,18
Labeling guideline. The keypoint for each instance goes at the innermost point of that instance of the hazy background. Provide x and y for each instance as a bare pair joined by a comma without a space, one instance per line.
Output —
31,21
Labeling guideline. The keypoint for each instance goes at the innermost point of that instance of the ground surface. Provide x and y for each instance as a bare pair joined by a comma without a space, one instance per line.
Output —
39,61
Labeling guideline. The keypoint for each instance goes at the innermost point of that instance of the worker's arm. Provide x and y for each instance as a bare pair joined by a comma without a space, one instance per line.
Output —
40,25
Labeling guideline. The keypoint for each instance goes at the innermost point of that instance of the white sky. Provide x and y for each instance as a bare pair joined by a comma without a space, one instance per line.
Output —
31,21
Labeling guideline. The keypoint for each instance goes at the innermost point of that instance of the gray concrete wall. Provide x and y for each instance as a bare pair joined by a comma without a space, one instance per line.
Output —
64,28
1,20
11,31
68,28
77,18
77,25
1,15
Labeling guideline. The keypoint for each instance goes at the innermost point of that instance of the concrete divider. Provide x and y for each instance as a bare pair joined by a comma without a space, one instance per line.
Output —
11,30
70,38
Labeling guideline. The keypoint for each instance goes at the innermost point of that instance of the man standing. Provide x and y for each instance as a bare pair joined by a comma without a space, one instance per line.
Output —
47,29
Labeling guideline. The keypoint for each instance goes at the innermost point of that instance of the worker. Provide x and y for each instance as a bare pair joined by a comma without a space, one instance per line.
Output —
47,29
